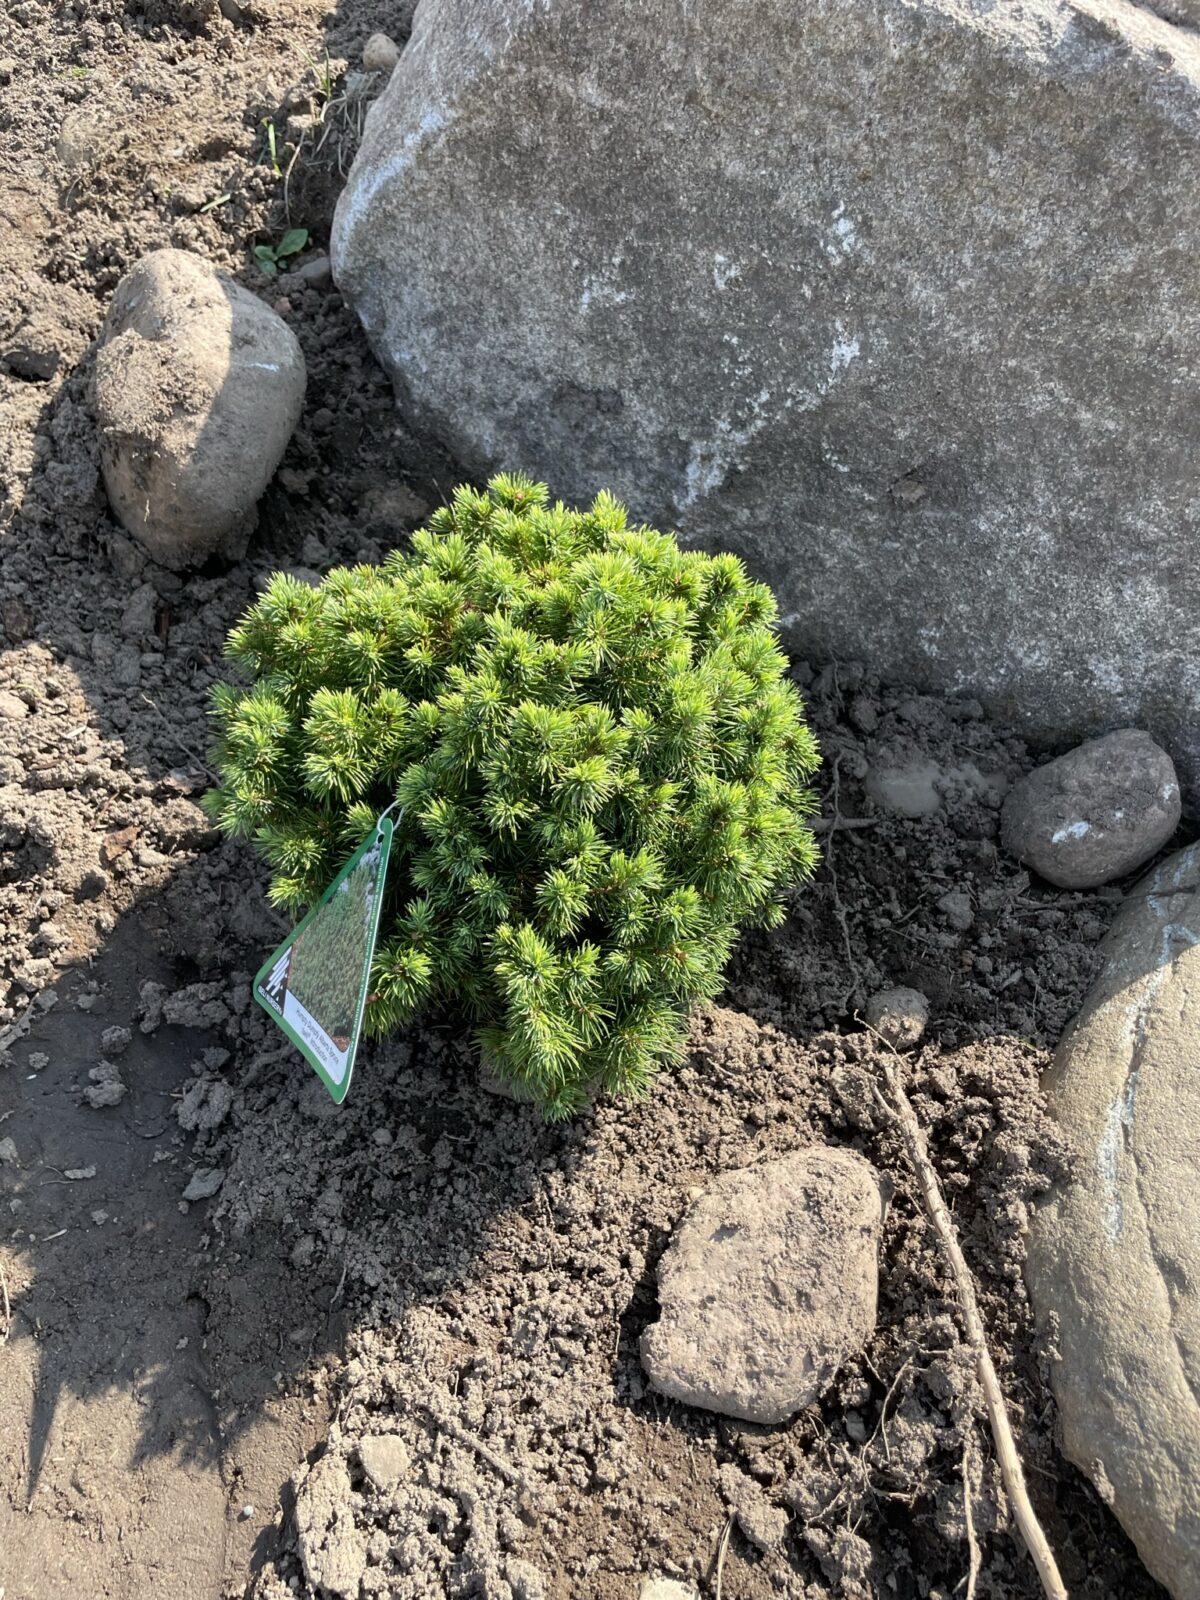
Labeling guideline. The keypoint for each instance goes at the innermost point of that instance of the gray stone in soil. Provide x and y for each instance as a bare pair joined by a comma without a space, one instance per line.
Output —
667,1589
1094,814
1114,1251
198,387
937,382
768,1285
380,54
384,1458
899,1014
204,1183
316,273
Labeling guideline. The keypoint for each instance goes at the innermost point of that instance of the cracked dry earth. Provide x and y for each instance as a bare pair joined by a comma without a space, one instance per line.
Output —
259,1345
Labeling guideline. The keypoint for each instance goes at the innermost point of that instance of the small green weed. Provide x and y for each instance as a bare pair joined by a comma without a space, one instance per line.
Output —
272,147
324,77
271,257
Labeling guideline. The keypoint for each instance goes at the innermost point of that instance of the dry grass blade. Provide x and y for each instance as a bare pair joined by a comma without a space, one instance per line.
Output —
722,1551
7,1307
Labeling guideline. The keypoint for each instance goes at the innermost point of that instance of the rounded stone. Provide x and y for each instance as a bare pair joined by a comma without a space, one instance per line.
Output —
197,390
1094,814
900,1015
380,54
768,1286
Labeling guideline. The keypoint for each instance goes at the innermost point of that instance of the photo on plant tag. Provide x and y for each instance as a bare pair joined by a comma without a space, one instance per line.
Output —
315,984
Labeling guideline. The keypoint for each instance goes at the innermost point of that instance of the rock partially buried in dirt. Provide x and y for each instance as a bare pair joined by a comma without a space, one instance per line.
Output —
380,54
768,1285
204,1183
1114,1253
915,786
384,1458
197,390
899,1014
667,1589
1098,812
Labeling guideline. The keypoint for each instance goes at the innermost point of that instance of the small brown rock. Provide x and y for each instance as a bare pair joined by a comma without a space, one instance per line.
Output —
117,843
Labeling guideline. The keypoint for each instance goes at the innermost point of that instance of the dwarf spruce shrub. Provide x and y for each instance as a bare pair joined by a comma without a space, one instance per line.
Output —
600,764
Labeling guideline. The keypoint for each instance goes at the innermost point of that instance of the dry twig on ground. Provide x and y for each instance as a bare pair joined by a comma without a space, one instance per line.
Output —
898,1107
721,1553
7,1307
968,1492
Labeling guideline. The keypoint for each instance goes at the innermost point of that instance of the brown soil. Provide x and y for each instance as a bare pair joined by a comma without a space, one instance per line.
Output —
187,1383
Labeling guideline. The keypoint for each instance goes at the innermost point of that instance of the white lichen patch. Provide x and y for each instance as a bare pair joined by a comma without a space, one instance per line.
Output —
710,460
845,349
1070,830
725,271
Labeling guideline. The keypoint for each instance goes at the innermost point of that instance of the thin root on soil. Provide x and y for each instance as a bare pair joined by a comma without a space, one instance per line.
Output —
899,1110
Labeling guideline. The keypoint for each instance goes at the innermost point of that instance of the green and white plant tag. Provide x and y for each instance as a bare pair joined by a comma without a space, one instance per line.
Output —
315,985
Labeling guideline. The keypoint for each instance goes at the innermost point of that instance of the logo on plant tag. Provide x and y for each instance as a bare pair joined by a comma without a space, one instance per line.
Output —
315,984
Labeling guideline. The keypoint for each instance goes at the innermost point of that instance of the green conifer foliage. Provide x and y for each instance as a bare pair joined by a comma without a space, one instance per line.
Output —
601,766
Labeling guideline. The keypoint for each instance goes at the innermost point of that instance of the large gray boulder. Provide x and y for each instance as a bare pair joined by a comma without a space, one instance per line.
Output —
1114,1253
898,298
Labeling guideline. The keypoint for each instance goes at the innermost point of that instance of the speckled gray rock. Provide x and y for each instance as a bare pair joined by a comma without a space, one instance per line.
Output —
1098,812
899,1014
1114,1252
893,297
768,1285
197,389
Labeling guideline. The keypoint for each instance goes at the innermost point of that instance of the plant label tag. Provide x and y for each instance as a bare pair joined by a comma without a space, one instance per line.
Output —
315,985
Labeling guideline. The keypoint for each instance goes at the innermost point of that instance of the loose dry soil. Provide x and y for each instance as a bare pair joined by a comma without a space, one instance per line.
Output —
194,1390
